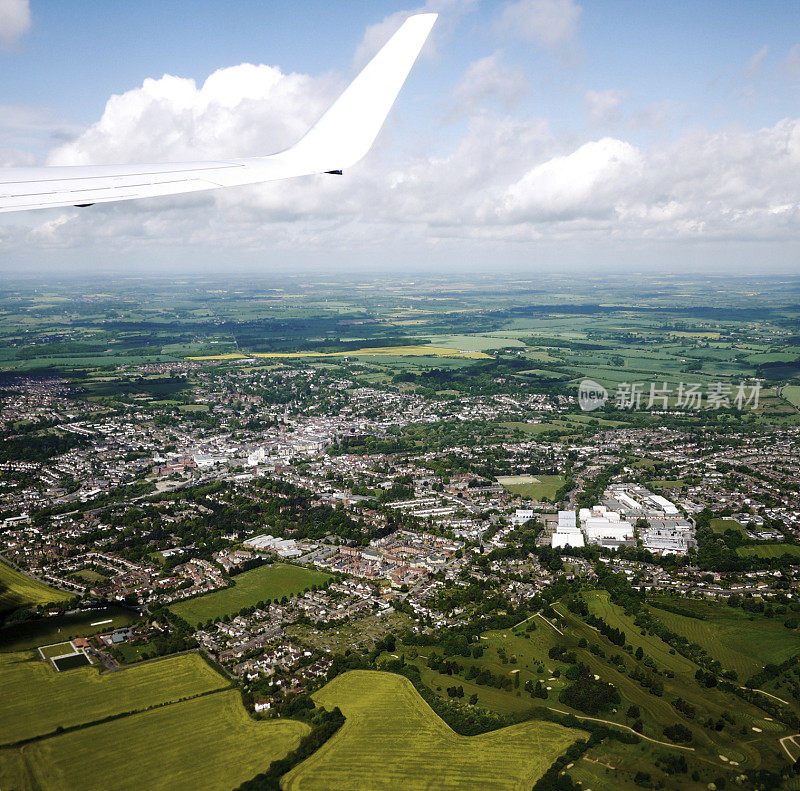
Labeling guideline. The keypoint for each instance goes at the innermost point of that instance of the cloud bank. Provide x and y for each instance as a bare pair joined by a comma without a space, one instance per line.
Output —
498,178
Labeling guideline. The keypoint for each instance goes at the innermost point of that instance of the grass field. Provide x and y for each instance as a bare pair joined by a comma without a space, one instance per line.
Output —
91,576
261,584
35,700
19,590
721,525
533,487
208,743
741,641
769,550
57,649
392,739
31,634
792,394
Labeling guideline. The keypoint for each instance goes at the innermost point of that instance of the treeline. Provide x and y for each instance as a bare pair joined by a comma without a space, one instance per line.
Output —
616,636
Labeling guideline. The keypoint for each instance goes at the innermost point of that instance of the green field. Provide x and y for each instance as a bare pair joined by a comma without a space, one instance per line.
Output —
35,700
19,590
392,739
769,550
208,743
533,487
721,525
57,649
792,394
741,641
261,584
91,576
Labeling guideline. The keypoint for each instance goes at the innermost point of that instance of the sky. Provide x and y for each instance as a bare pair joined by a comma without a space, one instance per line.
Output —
532,135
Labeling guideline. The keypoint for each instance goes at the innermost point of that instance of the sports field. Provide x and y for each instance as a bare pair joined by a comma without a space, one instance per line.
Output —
393,739
209,743
533,487
18,590
56,649
261,584
721,525
35,699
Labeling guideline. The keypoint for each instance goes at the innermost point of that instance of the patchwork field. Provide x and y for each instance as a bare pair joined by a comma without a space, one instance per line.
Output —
261,584
35,699
393,739
19,590
377,351
208,743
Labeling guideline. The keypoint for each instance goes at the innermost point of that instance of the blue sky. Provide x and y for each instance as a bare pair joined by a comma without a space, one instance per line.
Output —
694,54
635,124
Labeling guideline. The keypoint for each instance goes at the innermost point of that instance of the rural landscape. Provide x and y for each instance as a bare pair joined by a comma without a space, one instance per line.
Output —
364,533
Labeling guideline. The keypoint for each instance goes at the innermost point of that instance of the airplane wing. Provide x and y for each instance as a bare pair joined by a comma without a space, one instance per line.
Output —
337,141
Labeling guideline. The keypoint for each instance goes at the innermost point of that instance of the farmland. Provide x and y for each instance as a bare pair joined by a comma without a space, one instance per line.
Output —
208,742
35,700
388,351
260,584
392,739
18,590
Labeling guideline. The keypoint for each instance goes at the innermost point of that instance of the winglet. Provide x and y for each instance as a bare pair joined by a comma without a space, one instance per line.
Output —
337,141
348,129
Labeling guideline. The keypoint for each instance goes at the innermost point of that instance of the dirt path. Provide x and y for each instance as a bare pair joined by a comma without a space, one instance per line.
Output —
794,743
550,624
624,728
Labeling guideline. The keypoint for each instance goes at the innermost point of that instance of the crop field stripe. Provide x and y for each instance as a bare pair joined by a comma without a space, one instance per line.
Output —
208,742
23,590
35,700
393,739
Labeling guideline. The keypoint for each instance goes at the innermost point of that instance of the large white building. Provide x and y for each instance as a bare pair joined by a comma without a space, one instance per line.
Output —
567,534
601,525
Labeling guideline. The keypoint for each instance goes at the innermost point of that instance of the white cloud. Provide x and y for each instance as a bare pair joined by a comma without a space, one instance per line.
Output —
243,110
549,22
586,183
754,64
15,21
603,106
488,81
504,179
791,65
